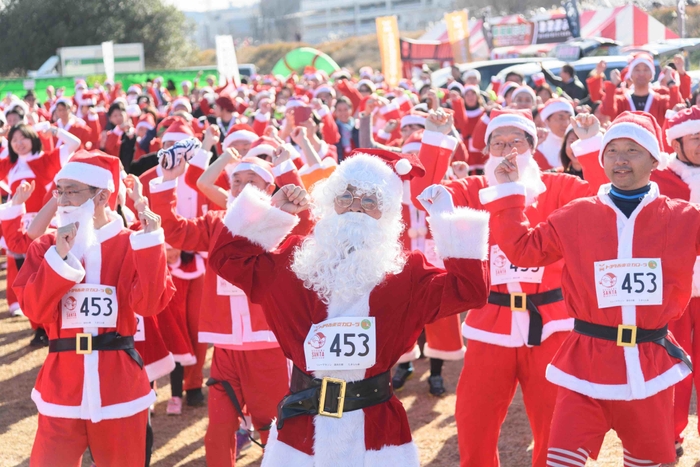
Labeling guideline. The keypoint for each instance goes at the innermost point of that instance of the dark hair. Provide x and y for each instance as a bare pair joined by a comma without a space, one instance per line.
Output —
544,87
568,69
29,95
528,137
26,131
117,106
343,100
564,157
516,73
170,86
17,110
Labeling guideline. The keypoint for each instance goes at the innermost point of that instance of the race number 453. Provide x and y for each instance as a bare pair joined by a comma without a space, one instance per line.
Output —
88,306
348,347
341,344
635,281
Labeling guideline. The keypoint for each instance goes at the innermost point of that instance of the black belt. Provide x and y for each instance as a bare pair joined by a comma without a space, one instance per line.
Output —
331,397
84,343
629,336
528,302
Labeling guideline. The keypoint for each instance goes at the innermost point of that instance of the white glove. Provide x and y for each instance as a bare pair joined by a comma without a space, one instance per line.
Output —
184,149
436,199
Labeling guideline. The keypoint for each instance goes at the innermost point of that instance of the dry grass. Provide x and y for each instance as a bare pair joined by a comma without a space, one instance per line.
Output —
179,440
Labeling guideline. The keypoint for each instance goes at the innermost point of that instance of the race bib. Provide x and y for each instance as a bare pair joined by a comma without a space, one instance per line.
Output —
431,254
503,271
140,334
341,344
224,287
635,281
89,306
27,219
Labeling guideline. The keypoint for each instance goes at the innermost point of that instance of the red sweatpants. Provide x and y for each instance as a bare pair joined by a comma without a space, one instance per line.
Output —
644,426
193,376
486,387
11,275
684,330
260,379
61,442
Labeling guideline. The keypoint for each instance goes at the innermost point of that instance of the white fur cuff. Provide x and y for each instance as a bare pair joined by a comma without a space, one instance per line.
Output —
8,211
434,138
463,233
70,269
157,185
252,216
201,159
283,168
143,240
587,146
493,193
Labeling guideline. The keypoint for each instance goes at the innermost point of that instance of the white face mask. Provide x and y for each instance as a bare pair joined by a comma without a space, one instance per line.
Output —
68,214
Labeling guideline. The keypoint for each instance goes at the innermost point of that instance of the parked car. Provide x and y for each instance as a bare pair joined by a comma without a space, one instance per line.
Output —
487,68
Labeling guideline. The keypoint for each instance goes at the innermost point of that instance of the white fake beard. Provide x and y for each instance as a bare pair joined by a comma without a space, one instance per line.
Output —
349,254
529,174
84,214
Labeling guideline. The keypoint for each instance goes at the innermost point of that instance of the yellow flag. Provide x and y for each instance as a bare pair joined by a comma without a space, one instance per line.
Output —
458,33
389,48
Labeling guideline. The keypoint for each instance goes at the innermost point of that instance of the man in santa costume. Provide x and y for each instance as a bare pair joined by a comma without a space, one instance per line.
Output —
618,368
84,283
346,301
513,337
248,367
555,115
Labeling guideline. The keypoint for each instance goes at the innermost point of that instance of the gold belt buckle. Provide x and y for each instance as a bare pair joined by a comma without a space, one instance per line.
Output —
341,398
78,349
523,301
633,337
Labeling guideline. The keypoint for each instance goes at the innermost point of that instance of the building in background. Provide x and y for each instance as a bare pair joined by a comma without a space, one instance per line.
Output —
239,22
332,19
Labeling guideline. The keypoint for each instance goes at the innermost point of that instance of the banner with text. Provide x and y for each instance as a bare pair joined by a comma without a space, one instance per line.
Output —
458,33
108,59
388,36
226,61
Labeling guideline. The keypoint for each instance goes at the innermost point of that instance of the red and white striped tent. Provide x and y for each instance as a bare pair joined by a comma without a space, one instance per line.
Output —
627,24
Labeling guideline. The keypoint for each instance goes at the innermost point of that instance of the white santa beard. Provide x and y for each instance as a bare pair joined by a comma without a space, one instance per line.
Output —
529,172
348,255
86,236
689,174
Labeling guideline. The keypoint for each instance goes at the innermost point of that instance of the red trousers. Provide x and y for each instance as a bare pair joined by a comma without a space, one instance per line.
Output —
61,442
684,330
486,387
260,379
11,275
193,373
443,339
644,426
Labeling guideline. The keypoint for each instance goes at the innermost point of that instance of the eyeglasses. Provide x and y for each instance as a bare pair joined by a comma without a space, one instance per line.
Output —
367,202
68,193
498,147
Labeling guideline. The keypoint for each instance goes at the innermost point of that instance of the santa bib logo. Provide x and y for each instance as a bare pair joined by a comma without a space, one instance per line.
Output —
652,265
317,341
108,291
69,305
608,281
366,324
500,261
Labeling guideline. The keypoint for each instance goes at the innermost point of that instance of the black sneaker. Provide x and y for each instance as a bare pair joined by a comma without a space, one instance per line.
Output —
437,386
401,375
679,449
40,339
195,397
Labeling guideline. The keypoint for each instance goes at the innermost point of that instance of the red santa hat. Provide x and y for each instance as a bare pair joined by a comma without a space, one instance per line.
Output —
87,98
685,122
324,88
146,121
368,83
15,104
518,118
183,101
178,131
471,87
93,168
257,165
133,110
538,79
225,103
473,73
404,166
641,58
414,118
456,86
263,146
297,101
640,127
134,89
556,105
67,101
413,142
522,90
239,132
505,87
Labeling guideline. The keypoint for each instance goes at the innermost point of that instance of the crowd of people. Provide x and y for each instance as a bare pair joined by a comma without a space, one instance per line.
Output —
314,229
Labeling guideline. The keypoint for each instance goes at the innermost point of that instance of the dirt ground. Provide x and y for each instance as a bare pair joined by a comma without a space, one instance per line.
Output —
179,441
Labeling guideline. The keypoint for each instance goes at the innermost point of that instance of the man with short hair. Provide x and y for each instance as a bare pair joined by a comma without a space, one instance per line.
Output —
567,81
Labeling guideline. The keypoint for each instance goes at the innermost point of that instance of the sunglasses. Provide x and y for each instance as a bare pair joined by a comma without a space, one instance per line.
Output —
367,202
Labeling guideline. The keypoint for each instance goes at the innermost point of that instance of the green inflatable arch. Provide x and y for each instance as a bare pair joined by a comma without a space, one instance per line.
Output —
297,59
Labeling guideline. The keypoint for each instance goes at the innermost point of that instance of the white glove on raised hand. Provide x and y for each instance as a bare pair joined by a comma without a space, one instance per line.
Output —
185,149
436,199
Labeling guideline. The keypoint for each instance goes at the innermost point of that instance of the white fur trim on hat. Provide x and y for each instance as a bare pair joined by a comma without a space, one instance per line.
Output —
689,127
264,174
403,166
517,121
645,61
410,147
554,107
174,137
184,102
526,90
260,150
638,134
471,87
473,73
366,82
412,120
324,88
456,85
144,124
88,174
240,135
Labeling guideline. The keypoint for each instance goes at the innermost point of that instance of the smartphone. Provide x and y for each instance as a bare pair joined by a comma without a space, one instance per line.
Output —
301,114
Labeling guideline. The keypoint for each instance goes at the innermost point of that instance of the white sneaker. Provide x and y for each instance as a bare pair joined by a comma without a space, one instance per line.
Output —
15,310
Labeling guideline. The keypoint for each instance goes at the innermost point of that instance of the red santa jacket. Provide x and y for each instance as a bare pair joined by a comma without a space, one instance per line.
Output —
228,321
86,132
466,122
246,254
548,154
657,105
100,385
